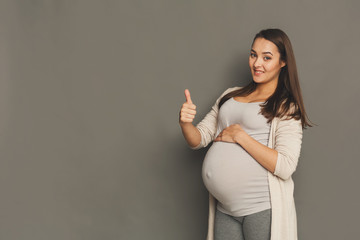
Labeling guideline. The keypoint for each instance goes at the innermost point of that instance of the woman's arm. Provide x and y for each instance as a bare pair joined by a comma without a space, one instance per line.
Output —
283,159
288,139
263,154
191,135
207,126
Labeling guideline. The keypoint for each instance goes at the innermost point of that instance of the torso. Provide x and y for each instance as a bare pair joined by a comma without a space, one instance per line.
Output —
229,172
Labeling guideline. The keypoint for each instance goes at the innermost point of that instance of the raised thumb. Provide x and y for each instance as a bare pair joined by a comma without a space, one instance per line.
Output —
187,95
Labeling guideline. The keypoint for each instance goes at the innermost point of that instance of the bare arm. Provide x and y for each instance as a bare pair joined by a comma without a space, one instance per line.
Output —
186,116
191,134
266,156
203,133
283,159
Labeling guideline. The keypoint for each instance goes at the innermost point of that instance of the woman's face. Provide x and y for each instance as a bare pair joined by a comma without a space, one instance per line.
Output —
265,57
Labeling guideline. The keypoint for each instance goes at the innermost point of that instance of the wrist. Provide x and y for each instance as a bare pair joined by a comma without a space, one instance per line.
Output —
182,124
240,136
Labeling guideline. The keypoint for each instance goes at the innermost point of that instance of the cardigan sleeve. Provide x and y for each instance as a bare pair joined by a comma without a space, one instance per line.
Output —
207,126
288,139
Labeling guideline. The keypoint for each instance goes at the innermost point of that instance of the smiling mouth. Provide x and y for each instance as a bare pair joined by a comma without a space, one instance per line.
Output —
258,72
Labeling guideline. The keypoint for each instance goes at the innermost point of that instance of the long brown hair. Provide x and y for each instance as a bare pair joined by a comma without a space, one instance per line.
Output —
287,100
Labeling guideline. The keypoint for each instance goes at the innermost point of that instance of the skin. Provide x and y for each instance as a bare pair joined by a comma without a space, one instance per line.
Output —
271,65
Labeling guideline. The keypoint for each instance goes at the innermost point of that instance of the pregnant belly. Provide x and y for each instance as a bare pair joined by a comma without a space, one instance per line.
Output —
229,172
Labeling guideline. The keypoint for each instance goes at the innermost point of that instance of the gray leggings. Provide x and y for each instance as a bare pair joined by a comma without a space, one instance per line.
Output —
256,226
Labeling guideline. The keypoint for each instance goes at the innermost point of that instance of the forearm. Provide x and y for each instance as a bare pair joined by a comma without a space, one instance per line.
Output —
191,134
266,156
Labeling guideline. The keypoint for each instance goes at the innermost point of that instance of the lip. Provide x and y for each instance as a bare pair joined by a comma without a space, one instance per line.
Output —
258,74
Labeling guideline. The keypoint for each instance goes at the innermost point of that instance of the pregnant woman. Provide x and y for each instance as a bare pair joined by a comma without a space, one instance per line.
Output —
256,132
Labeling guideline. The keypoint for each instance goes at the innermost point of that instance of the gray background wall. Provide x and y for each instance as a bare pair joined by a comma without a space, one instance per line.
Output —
89,99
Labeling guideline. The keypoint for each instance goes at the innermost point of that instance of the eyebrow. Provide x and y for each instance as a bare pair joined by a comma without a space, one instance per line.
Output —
263,52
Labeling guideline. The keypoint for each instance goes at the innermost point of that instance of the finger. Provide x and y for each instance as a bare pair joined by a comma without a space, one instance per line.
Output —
187,96
190,111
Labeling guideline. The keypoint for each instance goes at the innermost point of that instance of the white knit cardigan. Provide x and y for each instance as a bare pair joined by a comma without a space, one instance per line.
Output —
286,138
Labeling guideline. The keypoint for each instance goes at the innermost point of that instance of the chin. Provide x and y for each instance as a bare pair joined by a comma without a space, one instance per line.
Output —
259,80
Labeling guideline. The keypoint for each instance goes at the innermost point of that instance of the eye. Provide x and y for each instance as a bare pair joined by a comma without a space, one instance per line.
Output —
252,54
268,58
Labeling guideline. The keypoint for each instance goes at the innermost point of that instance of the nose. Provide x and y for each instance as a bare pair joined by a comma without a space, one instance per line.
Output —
257,62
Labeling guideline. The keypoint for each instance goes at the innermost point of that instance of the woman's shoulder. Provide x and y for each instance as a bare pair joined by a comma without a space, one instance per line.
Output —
235,87
291,110
230,89
226,91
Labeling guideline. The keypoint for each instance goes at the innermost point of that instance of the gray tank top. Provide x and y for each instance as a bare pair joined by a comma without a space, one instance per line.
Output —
230,173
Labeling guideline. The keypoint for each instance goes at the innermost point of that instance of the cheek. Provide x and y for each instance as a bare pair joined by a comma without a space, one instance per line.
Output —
271,67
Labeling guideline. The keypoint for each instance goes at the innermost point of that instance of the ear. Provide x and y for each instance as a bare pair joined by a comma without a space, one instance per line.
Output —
283,64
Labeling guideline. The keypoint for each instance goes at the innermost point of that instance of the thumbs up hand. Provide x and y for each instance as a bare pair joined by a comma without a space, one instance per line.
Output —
187,112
